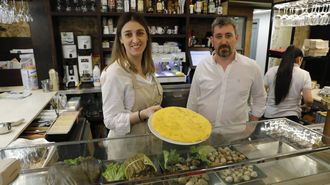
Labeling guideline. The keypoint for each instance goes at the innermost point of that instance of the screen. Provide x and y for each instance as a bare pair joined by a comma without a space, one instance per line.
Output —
197,56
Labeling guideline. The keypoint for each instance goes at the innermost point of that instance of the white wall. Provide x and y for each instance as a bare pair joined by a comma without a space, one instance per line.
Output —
264,20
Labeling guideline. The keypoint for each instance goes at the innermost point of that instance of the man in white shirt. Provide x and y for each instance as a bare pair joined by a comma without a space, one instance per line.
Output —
225,83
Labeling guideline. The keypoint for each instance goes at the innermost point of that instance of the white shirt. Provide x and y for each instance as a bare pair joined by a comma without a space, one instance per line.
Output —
290,106
118,97
222,96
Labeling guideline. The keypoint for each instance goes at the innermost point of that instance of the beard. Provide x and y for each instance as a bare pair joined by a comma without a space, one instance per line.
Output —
224,50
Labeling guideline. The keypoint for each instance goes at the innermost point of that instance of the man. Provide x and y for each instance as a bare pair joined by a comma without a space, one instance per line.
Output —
225,83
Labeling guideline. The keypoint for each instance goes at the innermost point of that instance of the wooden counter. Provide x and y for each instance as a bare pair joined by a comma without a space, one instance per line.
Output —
15,109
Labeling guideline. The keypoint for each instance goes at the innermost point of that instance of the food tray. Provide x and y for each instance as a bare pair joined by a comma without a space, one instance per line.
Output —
260,176
61,172
154,159
186,153
213,179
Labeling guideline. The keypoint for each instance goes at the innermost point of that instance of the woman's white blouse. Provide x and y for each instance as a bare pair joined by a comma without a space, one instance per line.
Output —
290,106
118,97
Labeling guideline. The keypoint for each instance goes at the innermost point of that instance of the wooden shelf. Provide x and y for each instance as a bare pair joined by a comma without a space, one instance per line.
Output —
117,14
106,50
70,14
204,16
108,36
168,36
112,36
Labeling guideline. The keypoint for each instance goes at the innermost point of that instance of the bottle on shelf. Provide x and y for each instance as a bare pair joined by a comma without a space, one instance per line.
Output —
159,6
126,5
132,5
219,8
104,5
140,6
96,76
211,7
120,5
199,6
205,7
150,6
112,5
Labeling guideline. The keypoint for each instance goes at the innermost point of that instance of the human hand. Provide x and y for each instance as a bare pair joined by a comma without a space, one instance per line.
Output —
146,113
253,118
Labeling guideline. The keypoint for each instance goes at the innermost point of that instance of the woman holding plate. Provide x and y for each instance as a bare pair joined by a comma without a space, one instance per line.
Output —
130,90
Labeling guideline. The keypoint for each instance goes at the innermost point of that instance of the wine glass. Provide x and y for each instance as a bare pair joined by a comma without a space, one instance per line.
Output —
68,6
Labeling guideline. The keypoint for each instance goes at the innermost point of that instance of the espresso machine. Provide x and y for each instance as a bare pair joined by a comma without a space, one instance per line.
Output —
85,60
70,65
169,67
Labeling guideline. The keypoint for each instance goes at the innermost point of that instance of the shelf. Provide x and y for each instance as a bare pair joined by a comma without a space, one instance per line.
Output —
145,14
108,36
112,36
70,14
106,50
168,36
205,16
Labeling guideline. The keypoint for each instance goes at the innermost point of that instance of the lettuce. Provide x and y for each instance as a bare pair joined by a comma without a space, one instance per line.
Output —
201,152
170,158
114,171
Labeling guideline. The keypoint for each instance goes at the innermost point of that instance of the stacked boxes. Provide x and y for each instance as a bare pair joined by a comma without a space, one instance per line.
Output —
316,47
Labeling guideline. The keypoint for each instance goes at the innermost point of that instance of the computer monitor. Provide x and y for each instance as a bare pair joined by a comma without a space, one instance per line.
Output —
195,55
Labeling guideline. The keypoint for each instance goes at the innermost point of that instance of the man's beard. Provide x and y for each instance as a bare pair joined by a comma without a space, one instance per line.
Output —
224,50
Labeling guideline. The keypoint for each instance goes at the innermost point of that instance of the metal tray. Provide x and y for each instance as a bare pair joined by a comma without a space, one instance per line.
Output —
260,176
213,180
154,159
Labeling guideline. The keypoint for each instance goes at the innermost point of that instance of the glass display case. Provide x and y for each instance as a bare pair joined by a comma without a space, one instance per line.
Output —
275,151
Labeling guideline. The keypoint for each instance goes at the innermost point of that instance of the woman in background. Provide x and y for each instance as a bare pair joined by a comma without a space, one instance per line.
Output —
286,84
130,91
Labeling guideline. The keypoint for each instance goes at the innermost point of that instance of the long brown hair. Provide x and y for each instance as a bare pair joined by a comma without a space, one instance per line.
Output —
118,53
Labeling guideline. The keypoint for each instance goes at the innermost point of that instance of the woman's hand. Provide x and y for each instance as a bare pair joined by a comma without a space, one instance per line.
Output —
146,113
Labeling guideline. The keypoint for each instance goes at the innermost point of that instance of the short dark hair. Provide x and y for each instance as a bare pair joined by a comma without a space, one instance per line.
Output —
223,21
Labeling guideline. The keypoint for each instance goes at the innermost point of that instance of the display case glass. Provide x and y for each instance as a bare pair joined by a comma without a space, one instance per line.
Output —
264,152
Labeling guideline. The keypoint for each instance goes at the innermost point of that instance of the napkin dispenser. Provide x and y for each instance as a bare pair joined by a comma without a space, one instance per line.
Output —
9,170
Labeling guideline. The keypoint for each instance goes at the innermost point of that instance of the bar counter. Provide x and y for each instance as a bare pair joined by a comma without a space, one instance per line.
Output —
27,108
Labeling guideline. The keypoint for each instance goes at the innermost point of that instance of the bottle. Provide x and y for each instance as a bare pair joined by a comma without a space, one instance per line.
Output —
140,6
104,5
53,78
205,7
126,5
159,6
112,5
133,6
211,6
96,76
120,5
219,8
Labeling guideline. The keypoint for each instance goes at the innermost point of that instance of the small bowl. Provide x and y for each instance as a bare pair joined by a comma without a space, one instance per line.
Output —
5,127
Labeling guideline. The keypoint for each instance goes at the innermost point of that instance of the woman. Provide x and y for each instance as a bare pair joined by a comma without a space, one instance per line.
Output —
130,91
285,84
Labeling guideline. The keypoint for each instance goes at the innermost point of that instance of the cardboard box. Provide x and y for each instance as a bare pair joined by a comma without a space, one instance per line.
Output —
316,44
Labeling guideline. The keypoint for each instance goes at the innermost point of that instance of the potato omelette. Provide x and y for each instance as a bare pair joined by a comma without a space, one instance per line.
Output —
181,125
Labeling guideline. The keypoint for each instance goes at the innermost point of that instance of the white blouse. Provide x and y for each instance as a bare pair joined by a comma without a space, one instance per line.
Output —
290,106
118,97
